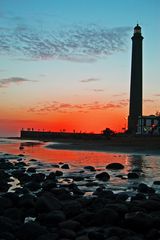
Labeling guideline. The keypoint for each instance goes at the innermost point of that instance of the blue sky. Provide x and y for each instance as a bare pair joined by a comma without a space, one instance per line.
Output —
74,51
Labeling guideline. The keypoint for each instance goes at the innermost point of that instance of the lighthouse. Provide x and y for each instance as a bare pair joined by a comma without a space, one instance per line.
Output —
135,107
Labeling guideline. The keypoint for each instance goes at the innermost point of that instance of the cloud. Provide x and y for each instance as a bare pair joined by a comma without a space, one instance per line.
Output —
84,107
157,95
98,90
89,80
71,43
5,82
148,100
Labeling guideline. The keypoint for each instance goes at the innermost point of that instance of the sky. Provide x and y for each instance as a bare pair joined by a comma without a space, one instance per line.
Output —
65,64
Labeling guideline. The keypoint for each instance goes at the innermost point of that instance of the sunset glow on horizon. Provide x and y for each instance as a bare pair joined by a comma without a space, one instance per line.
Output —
66,64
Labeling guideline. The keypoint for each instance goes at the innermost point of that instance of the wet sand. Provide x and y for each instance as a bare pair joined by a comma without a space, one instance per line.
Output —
148,145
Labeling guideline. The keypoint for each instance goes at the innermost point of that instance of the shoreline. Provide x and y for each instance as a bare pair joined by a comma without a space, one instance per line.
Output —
113,146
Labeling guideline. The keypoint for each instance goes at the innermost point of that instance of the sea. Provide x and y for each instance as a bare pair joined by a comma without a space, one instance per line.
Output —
38,154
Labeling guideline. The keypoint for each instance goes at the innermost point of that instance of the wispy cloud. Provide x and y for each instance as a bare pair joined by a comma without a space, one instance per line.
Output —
72,43
157,95
67,107
89,80
5,82
98,90
148,100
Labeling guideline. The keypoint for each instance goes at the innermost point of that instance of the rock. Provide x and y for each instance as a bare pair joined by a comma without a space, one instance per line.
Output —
90,168
27,201
32,186
83,237
93,235
138,196
132,175
73,188
4,186
143,188
58,173
52,218
21,176
48,185
51,176
156,182
115,166
7,236
14,213
107,194
5,202
47,202
55,165
139,221
49,236
31,231
20,164
61,193
67,234
65,166
7,225
70,224
122,196
4,175
37,177
105,216
72,208
31,170
104,176
117,233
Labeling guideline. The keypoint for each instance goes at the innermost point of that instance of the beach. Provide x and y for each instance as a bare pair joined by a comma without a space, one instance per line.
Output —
62,200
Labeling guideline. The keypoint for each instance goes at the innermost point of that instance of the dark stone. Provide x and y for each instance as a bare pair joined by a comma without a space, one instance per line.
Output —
61,193
143,188
37,177
55,165
52,218
105,216
48,185
77,178
139,221
156,182
70,224
20,164
4,186
5,202
4,175
32,186
138,196
14,213
27,201
6,165
30,231
22,177
7,225
73,188
51,176
47,202
115,166
31,170
72,208
93,235
49,236
104,176
58,173
90,168
117,233
67,234
65,166
133,175
7,236
108,194
122,196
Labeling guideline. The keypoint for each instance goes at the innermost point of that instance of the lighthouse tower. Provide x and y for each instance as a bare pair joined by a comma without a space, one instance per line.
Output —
135,108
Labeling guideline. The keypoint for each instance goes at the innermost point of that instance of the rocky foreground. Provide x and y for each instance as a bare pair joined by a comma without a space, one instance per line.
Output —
41,209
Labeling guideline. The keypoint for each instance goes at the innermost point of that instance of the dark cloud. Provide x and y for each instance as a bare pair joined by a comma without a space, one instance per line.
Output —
5,82
84,108
76,43
89,80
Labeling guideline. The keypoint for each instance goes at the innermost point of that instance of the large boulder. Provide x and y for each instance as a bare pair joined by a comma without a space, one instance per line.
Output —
115,166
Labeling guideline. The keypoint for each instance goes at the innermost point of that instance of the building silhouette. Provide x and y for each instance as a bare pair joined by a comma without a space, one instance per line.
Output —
135,107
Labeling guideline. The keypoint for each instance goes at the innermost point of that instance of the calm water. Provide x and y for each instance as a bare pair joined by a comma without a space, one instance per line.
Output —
149,165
